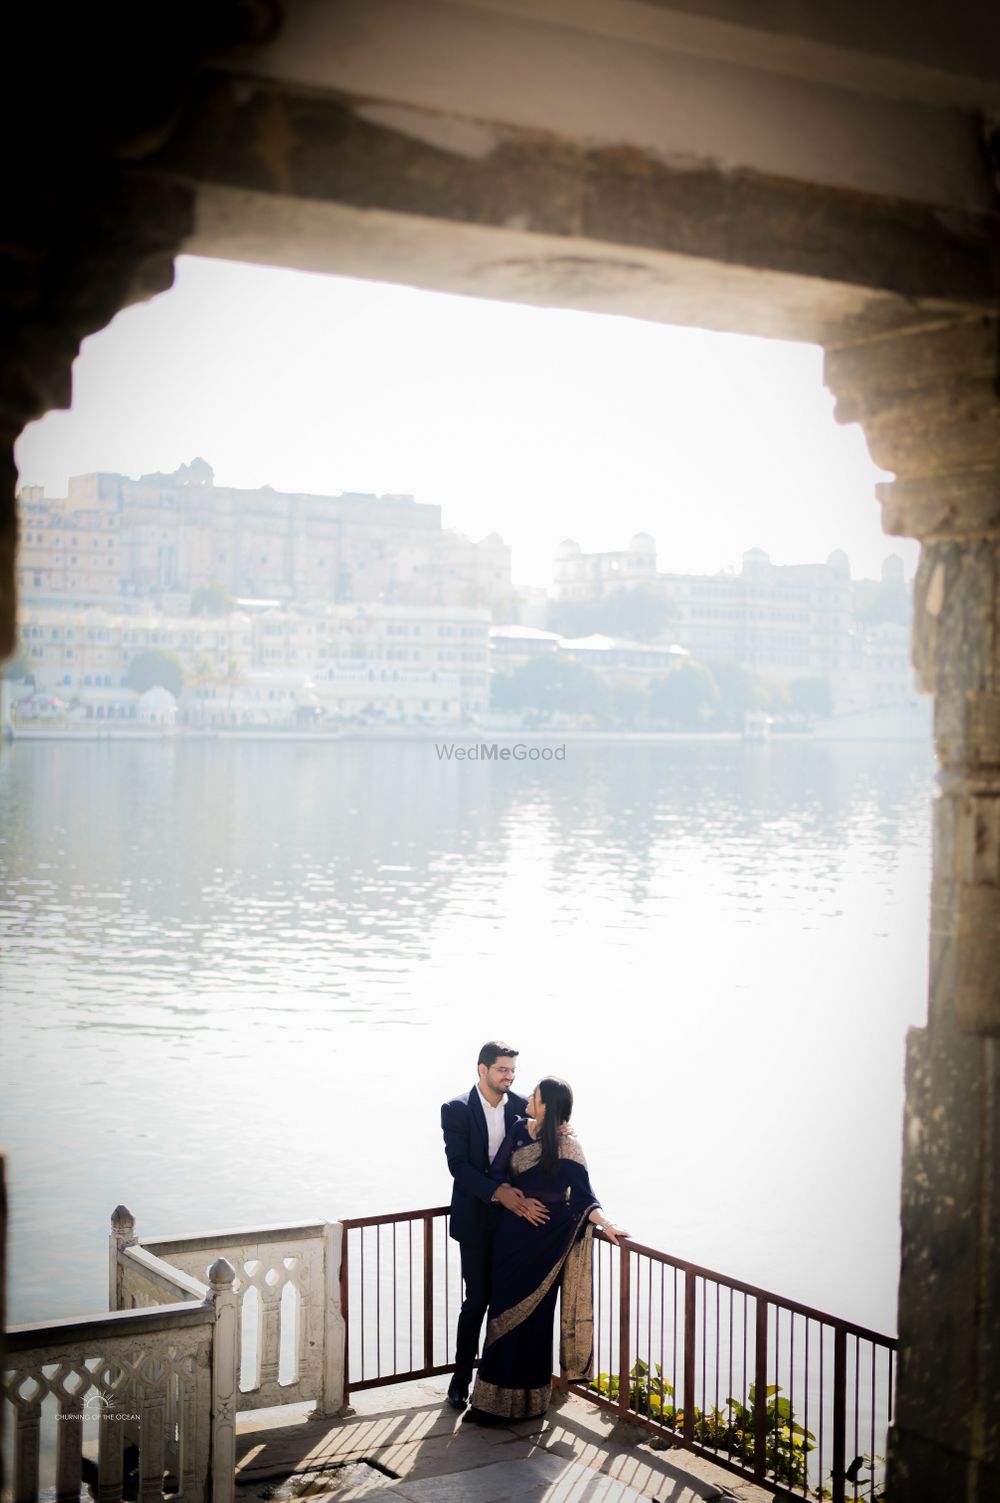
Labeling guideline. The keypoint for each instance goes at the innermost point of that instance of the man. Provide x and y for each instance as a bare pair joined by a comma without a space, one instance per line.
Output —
474,1126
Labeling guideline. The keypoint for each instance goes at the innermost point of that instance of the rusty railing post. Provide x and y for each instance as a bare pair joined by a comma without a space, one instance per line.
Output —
624,1322
760,1393
690,1349
839,1413
428,1292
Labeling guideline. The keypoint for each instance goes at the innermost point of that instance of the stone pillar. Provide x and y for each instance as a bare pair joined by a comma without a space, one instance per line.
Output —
225,1377
928,398
334,1400
122,1236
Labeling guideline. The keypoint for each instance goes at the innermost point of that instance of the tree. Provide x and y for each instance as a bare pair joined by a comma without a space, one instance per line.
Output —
202,676
685,697
552,682
643,613
629,704
156,669
741,691
211,600
234,679
20,665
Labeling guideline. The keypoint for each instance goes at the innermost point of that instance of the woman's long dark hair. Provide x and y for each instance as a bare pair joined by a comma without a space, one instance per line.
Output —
557,1096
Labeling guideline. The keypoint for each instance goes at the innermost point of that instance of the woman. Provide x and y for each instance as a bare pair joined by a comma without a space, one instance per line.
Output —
532,1263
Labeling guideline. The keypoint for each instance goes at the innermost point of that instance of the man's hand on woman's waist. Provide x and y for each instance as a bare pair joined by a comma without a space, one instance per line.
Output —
515,1200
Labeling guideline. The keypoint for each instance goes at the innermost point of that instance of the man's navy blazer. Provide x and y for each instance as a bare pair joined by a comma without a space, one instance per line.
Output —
467,1145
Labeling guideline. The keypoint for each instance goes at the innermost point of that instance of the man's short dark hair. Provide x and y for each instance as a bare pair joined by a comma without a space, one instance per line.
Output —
491,1052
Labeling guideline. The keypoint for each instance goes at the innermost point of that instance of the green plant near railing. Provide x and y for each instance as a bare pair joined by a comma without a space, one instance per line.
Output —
865,1488
787,1443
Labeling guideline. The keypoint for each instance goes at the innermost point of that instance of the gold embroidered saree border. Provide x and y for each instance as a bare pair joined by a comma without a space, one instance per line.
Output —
501,1325
527,1157
510,1403
576,1311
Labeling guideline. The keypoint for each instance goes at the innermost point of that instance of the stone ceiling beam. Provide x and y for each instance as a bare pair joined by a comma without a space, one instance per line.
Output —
501,211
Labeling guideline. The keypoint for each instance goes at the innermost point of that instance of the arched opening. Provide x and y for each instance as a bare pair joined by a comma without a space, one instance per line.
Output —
882,256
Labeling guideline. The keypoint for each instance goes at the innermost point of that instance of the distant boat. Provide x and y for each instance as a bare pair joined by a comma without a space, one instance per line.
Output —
756,726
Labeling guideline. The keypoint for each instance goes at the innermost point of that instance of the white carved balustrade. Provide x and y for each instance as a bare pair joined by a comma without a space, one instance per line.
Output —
145,1377
290,1334
161,1372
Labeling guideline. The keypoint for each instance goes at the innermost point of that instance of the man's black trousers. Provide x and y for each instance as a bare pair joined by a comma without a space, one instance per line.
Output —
477,1262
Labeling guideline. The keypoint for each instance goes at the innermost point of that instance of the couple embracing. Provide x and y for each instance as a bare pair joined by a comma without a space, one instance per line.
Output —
523,1213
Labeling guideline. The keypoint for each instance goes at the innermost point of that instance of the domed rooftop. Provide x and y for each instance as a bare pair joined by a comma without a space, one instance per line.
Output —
157,698
568,548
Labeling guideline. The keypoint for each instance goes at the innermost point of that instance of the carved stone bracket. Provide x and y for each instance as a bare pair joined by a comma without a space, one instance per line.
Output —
928,400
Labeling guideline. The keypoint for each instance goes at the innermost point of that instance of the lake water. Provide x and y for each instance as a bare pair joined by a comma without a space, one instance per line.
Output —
239,980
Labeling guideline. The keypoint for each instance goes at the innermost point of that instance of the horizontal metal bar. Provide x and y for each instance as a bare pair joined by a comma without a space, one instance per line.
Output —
389,1378
834,1321
398,1216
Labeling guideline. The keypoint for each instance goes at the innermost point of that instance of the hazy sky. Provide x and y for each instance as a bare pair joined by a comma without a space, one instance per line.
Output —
535,423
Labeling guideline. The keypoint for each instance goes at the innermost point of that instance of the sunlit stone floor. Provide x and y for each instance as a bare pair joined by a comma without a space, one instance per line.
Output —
418,1451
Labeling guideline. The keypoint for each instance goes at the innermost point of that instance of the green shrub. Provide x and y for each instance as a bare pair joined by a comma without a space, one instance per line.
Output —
787,1443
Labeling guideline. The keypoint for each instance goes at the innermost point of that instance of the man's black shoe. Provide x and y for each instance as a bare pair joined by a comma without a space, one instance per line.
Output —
458,1393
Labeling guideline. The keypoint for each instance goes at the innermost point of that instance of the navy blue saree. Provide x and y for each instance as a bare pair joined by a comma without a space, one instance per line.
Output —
531,1266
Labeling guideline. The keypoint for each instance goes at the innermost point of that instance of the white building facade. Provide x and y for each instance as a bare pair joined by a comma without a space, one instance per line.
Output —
272,666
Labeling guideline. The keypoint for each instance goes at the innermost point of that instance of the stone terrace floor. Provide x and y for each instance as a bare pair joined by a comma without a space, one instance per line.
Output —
418,1451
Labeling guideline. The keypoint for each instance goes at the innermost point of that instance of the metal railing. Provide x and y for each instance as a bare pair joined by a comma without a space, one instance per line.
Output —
404,1266
770,1389
774,1390
788,1396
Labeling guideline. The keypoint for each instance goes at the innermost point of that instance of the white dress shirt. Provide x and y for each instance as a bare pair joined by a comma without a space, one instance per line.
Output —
496,1122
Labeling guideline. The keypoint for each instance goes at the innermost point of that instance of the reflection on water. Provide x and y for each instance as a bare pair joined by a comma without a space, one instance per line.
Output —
239,980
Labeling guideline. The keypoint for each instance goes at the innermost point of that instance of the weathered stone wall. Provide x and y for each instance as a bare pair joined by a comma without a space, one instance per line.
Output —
928,401
92,93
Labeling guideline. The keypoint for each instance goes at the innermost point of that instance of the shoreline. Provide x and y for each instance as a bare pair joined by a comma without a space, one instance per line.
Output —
459,734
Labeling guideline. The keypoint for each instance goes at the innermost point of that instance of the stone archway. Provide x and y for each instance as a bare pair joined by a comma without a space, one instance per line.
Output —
816,176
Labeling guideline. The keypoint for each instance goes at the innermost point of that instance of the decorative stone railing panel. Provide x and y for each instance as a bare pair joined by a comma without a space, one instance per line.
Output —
142,1378
159,1375
289,1328
144,1281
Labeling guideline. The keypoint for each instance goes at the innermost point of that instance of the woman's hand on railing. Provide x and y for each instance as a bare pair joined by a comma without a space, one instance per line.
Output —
613,1233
